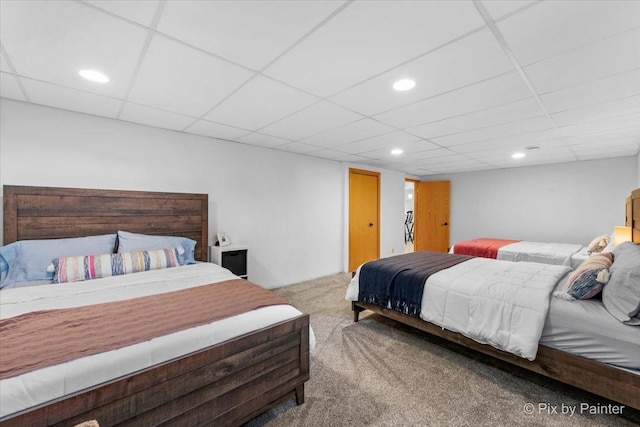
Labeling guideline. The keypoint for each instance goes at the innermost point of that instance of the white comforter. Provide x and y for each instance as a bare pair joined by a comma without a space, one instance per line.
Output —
40,386
546,253
500,303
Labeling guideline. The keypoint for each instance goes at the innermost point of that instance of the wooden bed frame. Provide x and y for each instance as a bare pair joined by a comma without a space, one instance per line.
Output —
596,377
224,385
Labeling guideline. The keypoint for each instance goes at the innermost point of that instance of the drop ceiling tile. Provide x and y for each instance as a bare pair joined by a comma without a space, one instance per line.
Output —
70,99
595,147
369,37
386,141
468,166
140,11
9,87
605,125
561,26
52,40
251,33
433,153
618,107
538,157
499,8
351,132
261,140
594,92
254,105
601,153
507,113
606,138
376,163
409,150
318,118
216,130
595,61
510,142
339,156
488,151
154,117
297,147
450,158
509,129
489,93
192,82
463,62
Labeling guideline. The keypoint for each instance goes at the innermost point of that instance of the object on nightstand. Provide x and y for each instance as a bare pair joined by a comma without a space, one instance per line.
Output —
232,257
223,239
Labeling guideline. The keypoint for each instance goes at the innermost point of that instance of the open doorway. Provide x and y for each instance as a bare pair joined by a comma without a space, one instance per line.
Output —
409,198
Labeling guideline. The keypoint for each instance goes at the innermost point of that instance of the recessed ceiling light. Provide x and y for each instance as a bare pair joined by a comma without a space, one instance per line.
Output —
404,84
94,76
409,196
396,151
518,155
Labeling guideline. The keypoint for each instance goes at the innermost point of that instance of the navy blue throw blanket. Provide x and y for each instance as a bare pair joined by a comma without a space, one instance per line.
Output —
398,282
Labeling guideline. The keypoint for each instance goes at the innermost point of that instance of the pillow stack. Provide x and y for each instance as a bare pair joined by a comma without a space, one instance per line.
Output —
598,244
588,280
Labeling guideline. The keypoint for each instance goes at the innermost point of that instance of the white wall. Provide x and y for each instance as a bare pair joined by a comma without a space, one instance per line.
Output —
638,170
569,202
288,208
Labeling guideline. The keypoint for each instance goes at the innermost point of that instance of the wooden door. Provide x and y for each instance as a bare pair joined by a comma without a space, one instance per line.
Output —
364,217
431,216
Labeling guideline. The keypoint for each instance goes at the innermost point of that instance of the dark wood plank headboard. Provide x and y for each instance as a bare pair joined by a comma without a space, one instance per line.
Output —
634,218
53,213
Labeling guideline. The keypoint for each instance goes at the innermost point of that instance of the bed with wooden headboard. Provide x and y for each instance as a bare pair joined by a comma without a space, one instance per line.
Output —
225,384
596,377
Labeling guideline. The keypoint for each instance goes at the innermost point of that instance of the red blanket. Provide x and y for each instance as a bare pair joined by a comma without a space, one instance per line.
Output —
42,338
483,247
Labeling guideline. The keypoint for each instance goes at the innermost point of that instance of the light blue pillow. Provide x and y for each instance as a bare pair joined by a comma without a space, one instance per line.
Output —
32,257
7,260
132,242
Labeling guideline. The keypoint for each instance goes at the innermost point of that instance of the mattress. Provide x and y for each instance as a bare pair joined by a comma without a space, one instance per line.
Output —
587,329
42,385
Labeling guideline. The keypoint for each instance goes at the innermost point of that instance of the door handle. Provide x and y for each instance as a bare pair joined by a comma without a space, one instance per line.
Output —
446,223
370,224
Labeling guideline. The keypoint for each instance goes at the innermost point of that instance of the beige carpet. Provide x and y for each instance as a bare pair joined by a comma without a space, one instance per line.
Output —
379,373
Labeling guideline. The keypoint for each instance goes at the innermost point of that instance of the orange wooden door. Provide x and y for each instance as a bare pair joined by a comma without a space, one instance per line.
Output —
431,216
364,217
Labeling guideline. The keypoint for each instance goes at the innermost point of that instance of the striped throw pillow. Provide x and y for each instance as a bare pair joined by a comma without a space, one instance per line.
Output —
77,268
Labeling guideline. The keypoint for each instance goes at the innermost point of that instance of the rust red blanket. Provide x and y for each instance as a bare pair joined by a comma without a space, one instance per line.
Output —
484,247
42,338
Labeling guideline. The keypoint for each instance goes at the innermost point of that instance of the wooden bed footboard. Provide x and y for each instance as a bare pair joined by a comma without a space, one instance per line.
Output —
224,385
595,377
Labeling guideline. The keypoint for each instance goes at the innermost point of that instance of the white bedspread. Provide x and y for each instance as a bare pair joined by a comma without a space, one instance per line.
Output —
42,385
546,253
500,303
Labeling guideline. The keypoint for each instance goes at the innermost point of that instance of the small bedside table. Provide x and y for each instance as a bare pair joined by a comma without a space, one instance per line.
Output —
232,257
